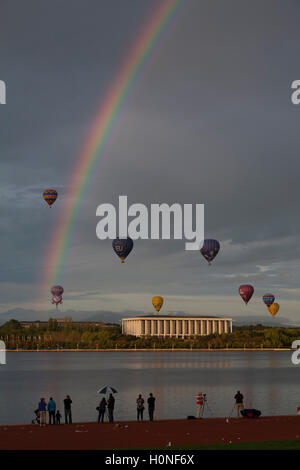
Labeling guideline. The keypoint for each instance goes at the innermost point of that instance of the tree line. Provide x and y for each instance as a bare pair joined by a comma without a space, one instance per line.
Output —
87,336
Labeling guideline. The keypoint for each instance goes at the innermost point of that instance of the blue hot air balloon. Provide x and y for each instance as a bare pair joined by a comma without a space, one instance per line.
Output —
122,247
210,249
268,299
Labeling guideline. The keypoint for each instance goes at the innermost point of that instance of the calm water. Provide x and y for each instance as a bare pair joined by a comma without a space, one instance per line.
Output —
268,381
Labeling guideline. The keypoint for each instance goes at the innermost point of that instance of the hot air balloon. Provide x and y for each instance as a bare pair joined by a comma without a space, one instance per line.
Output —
210,249
246,292
122,247
50,196
157,302
273,309
57,290
268,299
57,299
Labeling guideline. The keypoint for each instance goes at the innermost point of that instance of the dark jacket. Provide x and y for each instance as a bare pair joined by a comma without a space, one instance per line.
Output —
102,405
67,403
151,403
239,398
111,403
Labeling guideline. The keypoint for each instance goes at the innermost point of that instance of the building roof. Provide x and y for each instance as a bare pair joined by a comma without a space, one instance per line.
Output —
176,316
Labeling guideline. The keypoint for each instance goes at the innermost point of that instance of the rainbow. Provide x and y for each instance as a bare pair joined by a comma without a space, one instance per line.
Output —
101,128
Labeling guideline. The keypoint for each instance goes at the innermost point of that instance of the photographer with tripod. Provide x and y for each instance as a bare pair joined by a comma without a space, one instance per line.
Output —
200,400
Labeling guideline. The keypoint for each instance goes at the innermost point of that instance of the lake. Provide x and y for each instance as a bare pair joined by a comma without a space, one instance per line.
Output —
268,381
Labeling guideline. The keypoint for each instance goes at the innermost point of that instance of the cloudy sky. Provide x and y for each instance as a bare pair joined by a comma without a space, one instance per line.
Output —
210,120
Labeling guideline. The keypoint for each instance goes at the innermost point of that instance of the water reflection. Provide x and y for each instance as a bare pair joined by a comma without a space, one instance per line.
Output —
179,365
267,380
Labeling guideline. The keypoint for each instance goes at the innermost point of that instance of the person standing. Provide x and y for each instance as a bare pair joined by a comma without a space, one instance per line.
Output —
200,404
140,407
151,406
239,403
110,408
57,417
68,410
101,409
42,407
51,410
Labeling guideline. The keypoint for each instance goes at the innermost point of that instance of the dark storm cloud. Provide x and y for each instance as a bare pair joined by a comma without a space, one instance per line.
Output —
210,121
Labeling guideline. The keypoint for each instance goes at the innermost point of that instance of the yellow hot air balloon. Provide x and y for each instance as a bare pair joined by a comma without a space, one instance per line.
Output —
273,309
157,302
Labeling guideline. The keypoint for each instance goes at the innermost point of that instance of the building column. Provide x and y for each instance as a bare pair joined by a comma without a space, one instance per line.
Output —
220,327
177,328
201,327
190,327
173,328
230,326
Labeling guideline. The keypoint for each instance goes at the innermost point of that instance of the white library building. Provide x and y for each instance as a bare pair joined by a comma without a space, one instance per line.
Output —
175,325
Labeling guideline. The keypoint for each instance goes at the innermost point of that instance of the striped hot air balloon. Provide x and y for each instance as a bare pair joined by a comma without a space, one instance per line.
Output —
268,299
50,196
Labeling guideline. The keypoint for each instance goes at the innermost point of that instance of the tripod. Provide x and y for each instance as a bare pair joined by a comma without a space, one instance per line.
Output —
203,408
232,411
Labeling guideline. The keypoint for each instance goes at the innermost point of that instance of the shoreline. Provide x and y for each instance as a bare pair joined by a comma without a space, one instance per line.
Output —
145,434
148,349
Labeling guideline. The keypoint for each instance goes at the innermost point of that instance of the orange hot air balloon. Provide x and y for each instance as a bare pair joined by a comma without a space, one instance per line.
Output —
157,302
273,309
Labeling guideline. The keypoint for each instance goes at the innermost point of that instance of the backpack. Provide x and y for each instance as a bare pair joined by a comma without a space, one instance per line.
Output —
251,413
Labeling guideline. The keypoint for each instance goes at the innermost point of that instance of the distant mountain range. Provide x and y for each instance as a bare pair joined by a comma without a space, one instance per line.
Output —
22,314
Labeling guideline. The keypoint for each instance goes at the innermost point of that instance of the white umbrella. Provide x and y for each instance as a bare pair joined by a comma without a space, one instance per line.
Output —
105,390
